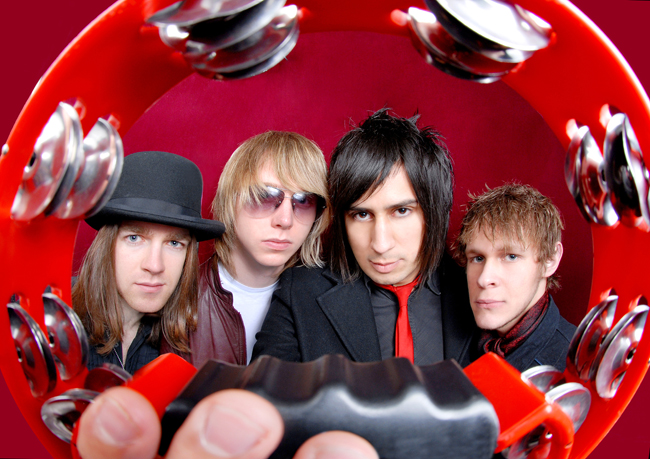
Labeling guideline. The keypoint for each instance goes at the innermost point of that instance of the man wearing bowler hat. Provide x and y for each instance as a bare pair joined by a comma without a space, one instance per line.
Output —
138,284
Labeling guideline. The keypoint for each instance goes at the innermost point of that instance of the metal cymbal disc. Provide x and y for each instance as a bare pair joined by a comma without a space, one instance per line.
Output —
574,399
572,163
53,165
498,30
584,178
190,12
33,350
591,185
617,352
535,443
435,45
442,50
589,336
108,375
60,413
104,160
67,336
255,49
627,177
220,33
104,155
278,55
543,377
173,36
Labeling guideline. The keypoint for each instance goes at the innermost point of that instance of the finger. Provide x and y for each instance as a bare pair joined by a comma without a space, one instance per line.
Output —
336,445
119,424
229,424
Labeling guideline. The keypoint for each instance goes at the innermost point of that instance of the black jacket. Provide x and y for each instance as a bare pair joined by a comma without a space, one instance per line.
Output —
315,313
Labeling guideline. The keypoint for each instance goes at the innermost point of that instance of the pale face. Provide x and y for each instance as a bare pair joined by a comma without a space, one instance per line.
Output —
504,281
385,231
149,259
264,245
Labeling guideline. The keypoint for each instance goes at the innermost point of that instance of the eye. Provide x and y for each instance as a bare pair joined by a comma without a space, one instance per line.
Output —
303,199
402,211
512,257
361,216
476,259
133,238
177,244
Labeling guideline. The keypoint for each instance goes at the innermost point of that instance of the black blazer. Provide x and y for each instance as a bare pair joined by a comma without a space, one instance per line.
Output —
315,313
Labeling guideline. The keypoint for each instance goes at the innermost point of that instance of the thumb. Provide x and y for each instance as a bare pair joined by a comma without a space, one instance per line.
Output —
119,424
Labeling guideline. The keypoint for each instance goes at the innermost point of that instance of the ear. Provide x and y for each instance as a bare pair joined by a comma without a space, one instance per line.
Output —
551,265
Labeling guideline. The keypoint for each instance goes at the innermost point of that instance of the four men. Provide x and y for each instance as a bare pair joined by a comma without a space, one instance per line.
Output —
390,289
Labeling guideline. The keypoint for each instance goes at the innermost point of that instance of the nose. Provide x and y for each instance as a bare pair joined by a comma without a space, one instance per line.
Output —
489,275
153,261
382,239
283,215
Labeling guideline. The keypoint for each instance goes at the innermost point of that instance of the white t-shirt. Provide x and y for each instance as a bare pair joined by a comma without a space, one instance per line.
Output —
251,303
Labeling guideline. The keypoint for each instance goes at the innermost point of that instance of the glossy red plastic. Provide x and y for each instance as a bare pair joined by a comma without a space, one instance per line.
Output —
118,67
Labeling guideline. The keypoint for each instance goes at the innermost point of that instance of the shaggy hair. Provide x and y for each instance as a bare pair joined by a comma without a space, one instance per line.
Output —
96,300
365,157
513,213
298,163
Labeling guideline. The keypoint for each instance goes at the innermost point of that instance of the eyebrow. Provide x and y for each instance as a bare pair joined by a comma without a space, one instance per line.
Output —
175,235
408,202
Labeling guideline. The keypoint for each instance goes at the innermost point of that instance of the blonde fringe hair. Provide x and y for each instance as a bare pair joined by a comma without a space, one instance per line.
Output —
298,163
96,300
515,213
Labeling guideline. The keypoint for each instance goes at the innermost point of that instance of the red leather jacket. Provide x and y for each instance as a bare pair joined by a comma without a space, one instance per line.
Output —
220,330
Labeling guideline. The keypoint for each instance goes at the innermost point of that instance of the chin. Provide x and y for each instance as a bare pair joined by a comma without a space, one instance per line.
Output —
487,324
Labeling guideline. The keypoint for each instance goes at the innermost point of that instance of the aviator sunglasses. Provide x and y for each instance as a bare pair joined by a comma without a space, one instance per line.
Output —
307,207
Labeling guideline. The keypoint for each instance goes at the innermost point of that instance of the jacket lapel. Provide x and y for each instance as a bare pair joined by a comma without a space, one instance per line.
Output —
347,307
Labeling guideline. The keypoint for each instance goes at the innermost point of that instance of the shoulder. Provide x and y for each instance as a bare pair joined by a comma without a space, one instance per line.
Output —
301,275
563,327
304,285
561,332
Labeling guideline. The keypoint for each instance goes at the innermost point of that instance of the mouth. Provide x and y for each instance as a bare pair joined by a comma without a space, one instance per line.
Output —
488,304
150,287
277,244
383,267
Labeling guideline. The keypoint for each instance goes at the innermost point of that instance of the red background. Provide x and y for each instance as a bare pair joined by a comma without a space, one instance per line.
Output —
328,80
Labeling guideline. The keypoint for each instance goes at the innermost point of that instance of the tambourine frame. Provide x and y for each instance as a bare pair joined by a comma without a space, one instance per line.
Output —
564,86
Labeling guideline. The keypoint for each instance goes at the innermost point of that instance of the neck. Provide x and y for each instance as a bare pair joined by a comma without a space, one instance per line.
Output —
130,324
251,273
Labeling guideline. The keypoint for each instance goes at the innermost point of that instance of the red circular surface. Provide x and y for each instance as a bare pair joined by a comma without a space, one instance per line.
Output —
548,84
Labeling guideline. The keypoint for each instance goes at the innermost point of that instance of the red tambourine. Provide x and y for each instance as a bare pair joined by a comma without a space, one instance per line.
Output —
590,99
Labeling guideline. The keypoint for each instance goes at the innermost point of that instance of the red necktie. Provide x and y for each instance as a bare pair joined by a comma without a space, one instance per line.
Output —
403,334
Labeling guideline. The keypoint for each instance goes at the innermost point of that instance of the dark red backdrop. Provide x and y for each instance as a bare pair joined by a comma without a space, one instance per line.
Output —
329,81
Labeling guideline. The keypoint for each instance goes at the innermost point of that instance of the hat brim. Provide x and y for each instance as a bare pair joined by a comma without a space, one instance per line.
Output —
201,228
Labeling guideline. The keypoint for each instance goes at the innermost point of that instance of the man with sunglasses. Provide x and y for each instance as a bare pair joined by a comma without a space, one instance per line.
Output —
390,289
271,198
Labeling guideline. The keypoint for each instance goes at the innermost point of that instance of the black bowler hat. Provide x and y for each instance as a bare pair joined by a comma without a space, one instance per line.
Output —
159,187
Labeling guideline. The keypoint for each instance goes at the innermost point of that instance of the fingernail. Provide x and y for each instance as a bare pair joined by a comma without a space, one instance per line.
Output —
338,452
229,432
114,426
